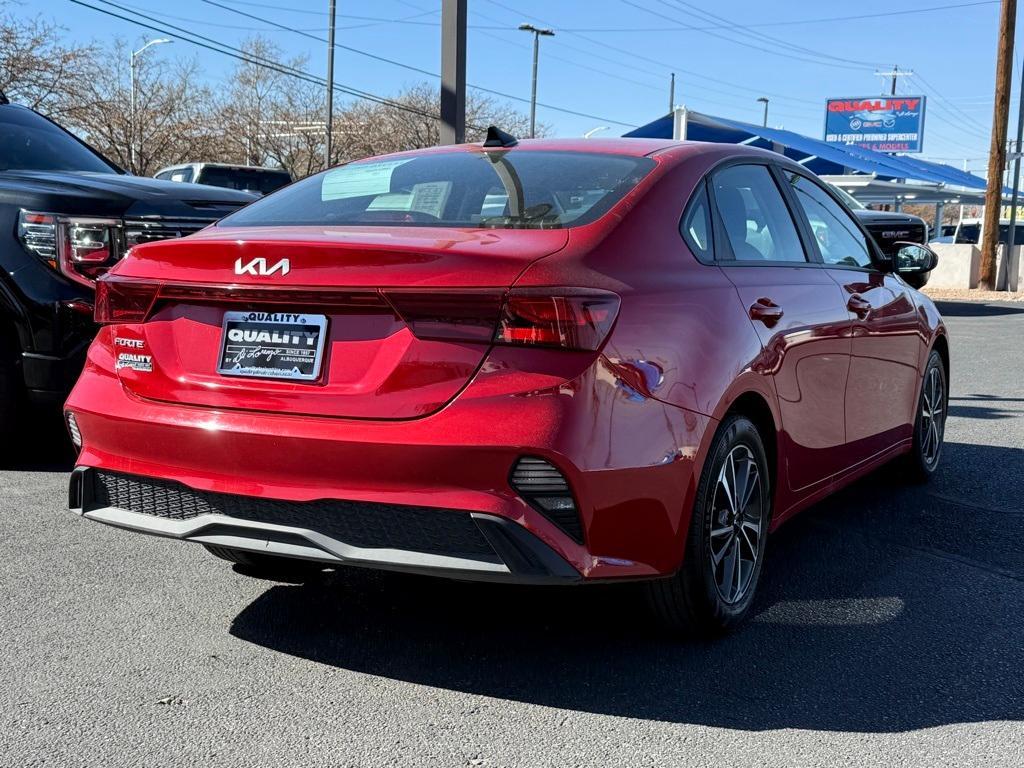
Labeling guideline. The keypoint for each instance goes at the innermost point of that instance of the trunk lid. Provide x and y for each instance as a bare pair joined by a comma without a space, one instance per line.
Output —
389,297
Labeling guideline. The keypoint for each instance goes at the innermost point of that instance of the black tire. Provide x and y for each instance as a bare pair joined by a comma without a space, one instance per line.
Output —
930,422
693,602
263,566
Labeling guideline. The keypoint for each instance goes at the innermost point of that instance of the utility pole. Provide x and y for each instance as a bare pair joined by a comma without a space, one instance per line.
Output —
764,100
330,84
536,51
453,71
1010,267
672,93
896,72
997,151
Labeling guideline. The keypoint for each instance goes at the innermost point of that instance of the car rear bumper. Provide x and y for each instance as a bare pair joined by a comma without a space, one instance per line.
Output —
630,462
451,543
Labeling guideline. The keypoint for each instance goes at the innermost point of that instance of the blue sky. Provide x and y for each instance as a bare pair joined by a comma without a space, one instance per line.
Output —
611,59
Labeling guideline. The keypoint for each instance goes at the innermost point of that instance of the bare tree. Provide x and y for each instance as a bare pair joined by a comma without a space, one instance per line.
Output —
367,128
268,114
262,114
174,118
36,68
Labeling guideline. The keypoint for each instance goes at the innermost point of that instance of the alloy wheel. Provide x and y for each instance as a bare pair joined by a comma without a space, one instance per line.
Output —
933,402
735,533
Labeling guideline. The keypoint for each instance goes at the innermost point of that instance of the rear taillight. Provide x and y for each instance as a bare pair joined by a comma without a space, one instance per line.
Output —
464,316
565,318
122,300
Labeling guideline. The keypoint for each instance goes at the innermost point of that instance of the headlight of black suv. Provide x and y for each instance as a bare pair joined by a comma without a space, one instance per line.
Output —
82,248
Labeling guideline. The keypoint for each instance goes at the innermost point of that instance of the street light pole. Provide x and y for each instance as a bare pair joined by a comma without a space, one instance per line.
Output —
330,85
764,100
536,51
1009,261
131,116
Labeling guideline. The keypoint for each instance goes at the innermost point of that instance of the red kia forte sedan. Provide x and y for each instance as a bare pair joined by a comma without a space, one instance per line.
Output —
545,362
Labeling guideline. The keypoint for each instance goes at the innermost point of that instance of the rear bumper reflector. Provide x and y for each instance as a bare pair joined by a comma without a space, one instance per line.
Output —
545,488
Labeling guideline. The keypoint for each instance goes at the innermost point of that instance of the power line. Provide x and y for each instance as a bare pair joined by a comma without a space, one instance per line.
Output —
633,55
373,21
410,67
253,59
301,74
949,104
964,129
793,22
826,59
628,30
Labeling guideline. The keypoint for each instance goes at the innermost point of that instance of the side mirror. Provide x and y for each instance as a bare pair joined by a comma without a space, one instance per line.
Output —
913,262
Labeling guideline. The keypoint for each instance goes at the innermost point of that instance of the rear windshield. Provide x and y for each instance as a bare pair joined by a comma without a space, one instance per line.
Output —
500,189
247,179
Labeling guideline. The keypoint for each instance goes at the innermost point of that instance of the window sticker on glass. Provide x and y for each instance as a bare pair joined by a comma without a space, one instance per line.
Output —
430,197
359,180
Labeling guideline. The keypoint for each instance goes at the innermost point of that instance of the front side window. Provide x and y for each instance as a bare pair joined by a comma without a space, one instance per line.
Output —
484,189
755,217
839,238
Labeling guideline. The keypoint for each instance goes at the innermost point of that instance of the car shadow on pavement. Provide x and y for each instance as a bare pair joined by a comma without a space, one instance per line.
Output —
884,609
978,309
985,407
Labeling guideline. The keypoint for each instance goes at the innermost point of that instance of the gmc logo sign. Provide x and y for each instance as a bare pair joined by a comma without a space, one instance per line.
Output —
258,267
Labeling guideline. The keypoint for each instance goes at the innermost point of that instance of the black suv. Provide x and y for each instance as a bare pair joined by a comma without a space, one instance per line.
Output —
66,215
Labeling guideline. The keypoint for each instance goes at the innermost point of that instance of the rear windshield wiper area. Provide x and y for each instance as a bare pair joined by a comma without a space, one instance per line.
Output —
534,217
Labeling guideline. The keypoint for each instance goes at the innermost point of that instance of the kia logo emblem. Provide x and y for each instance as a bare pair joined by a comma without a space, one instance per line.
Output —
259,267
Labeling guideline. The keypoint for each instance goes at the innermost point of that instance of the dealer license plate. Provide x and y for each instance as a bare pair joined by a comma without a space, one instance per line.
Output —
272,345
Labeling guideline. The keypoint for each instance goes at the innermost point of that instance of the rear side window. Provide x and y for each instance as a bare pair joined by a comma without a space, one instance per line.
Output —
839,238
484,189
696,226
757,222
246,179
178,174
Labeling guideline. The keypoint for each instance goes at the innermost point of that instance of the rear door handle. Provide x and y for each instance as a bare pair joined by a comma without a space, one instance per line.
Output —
767,311
860,306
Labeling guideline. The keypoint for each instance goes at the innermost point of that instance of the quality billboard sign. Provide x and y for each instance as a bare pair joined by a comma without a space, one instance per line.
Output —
881,123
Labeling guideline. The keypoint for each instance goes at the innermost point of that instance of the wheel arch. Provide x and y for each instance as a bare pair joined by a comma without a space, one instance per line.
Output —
941,345
753,405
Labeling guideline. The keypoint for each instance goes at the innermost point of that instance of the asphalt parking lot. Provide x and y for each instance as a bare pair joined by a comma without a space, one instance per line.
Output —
890,631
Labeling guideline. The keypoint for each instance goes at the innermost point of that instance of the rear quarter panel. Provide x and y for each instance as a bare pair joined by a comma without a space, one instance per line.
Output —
682,338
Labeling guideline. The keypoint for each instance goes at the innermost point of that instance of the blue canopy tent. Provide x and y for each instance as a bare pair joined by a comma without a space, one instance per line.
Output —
816,155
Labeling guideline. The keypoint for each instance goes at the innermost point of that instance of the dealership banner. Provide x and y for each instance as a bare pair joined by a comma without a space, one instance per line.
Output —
881,123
